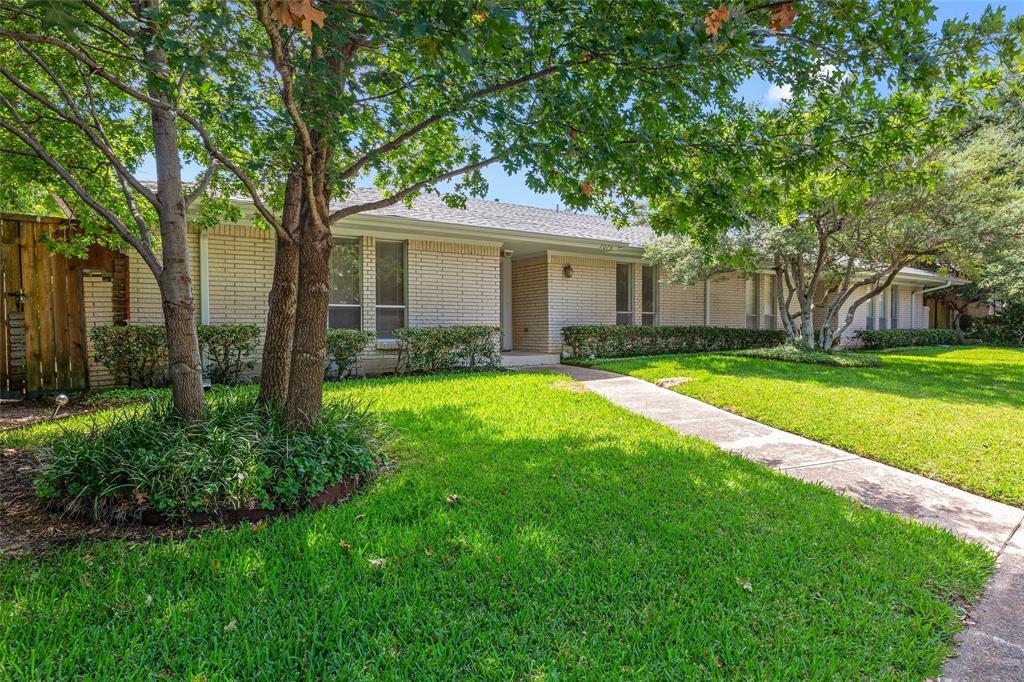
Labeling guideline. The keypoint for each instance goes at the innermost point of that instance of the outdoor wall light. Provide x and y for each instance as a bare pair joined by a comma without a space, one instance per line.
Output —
567,271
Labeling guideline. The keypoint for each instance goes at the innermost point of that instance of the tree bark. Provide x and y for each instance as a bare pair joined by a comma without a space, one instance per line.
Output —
277,343
175,280
305,389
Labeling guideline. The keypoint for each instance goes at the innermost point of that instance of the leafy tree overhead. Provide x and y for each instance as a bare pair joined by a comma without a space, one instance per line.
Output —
608,104
615,106
88,91
959,209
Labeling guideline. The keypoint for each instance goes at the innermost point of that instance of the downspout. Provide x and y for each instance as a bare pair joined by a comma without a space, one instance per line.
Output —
913,308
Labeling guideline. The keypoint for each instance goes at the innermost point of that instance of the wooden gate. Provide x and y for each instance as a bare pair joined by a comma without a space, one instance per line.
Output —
42,333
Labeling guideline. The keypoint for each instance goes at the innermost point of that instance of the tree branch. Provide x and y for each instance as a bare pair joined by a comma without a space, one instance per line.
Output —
412,189
30,141
202,184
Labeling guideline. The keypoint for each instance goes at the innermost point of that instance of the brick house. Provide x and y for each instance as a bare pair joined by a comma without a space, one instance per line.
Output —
530,271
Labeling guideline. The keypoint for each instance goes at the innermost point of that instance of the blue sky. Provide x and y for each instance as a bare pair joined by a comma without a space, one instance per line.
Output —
513,189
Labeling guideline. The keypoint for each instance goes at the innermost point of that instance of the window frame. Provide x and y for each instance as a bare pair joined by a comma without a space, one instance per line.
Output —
404,306
629,296
649,314
359,282
750,284
894,316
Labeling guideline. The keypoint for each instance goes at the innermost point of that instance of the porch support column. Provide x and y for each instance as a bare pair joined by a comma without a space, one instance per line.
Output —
707,302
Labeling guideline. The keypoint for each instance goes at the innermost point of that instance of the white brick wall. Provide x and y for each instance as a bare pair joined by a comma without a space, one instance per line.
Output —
588,297
728,300
99,310
681,304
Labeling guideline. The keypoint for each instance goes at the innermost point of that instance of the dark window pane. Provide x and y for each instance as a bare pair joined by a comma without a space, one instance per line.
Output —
647,319
347,317
622,293
388,320
390,273
346,271
623,318
649,283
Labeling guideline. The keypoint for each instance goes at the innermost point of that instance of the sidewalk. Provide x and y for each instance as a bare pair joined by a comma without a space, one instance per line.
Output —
993,648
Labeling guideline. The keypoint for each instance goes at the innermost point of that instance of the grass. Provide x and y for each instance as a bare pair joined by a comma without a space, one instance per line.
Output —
952,414
527,532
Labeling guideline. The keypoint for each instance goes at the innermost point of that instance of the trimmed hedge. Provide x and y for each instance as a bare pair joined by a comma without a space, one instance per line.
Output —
875,339
617,341
440,349
343,348
229,350
138,352
135,352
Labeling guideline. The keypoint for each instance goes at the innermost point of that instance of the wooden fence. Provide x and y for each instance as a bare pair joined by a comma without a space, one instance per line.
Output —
42,327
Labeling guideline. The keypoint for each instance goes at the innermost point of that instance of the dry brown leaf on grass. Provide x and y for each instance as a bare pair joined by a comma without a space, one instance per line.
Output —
233,625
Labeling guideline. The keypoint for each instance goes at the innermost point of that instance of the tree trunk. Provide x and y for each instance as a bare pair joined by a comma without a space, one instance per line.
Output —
782,303
277,343
186,373
807,323
305,389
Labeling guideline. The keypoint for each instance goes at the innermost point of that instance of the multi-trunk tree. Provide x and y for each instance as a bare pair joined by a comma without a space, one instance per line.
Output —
954,209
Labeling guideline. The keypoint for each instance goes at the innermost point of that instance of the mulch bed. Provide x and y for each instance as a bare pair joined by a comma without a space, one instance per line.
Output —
27,527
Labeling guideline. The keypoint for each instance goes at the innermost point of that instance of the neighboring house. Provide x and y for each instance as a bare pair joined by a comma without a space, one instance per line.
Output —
531,271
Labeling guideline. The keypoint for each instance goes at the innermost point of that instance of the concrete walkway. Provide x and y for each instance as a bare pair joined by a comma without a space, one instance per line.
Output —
992,649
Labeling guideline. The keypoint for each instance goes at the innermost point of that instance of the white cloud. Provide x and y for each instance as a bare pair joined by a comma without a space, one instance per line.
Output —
779,93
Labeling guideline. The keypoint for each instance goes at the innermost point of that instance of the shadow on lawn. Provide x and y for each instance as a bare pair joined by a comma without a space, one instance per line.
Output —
996,383
581,539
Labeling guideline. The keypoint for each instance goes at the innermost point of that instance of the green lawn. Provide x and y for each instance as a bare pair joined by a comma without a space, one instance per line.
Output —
585,542
952,414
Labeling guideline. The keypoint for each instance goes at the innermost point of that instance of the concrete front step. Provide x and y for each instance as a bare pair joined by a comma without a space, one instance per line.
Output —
519,358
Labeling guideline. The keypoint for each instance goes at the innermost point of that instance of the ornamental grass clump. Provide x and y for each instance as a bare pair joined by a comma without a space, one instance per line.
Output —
242,456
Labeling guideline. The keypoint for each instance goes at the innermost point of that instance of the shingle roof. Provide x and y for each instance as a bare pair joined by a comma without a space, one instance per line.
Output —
499,215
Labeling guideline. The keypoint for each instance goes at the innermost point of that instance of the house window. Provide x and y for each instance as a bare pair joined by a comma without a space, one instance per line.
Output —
880,310
648,295
623,293
751,302
769,303
345,308
391,280
870,322
894,318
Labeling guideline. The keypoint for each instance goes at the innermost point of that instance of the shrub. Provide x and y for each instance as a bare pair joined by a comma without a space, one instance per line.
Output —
1004,329
793,353
616,341
875,339
439,349
241,457
228,350
343,347
136,352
